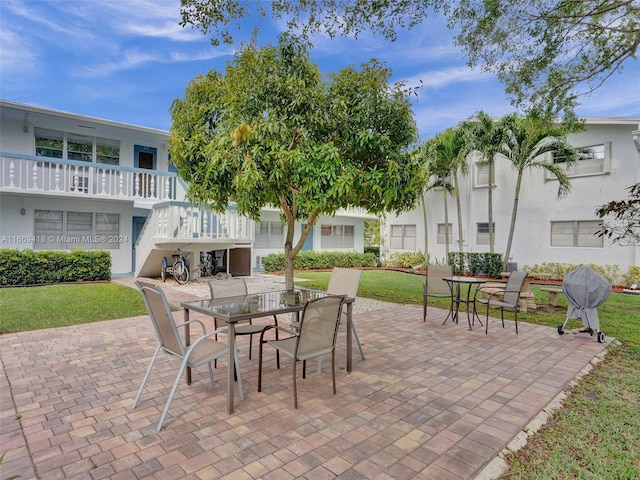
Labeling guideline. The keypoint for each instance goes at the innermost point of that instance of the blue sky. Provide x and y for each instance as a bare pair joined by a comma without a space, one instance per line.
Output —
128,60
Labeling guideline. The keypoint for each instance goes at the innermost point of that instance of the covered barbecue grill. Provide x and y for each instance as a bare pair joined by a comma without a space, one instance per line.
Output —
586,290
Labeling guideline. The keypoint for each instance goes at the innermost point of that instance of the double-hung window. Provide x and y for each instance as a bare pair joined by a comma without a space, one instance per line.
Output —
442,233
63,230
337,236
403,237
482,233
269,234
576,233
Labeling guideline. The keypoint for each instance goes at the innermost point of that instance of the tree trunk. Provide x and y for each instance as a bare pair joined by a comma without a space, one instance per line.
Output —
459,209
492,239
426,229
514,212
446,221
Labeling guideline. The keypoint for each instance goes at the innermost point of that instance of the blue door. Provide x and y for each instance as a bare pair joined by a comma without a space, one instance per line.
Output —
145,157
308,242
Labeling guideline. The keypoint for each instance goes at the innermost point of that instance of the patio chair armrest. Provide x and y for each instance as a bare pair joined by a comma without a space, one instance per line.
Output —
204,330
204,337
275,327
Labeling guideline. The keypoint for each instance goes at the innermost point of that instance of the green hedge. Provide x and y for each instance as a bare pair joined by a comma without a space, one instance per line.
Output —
309,260
485,264
26,267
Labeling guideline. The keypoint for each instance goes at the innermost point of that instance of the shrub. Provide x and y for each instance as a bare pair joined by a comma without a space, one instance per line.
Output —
27,267
471,263
559,270
632,276
405,260
309,260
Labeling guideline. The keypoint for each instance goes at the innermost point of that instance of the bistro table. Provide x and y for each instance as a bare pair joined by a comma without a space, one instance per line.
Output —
242,308
455,285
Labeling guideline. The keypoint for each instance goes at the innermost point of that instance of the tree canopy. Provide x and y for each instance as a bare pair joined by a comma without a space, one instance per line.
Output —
624,218
546,52
271,132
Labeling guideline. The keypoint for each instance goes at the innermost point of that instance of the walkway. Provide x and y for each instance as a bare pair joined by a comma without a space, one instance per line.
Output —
429,402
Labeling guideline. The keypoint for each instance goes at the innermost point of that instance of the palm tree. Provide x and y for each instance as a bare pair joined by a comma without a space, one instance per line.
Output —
442,152
484,136
526,144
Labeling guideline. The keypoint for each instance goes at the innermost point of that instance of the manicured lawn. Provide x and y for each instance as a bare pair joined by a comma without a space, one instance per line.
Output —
595,436
33,308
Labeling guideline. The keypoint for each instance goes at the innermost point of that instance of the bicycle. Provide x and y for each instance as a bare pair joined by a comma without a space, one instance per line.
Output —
208,267
179,269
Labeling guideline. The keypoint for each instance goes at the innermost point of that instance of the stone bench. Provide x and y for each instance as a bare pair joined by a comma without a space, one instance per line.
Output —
527,301
553,294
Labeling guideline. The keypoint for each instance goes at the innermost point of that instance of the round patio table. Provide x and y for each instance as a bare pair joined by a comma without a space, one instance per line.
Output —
456,284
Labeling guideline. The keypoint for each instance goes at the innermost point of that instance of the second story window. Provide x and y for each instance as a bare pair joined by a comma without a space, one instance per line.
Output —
49,143
482,175
72,146
592,160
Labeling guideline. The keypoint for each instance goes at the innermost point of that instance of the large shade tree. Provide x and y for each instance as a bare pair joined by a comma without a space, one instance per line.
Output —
546,52
270,131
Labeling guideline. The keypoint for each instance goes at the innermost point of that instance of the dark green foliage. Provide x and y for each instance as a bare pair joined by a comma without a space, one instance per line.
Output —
27,267
308,260
471,263
375,249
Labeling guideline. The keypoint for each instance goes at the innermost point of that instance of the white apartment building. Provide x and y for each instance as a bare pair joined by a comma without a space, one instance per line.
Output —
547,229
70,181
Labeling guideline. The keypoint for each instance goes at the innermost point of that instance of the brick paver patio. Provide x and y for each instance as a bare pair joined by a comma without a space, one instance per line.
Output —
429,402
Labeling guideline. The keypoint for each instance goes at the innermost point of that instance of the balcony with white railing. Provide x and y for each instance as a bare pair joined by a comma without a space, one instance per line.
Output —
54,176
180,226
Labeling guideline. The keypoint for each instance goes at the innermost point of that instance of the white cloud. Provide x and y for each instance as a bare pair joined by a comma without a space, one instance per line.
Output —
16,53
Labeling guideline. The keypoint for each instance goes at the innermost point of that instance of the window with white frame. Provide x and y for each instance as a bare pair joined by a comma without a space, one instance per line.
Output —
576,233
442,233
482,174
337,236
49,143
482,233
592,160
62,230
269,234
72,146
403,237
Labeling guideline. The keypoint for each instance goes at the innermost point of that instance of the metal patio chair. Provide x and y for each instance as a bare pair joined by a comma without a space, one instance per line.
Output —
205,349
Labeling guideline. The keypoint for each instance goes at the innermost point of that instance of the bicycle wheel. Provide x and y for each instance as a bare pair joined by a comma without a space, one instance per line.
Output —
180,272
163,269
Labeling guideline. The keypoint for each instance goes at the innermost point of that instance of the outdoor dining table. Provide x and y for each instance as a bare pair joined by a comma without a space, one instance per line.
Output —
238,309
455,285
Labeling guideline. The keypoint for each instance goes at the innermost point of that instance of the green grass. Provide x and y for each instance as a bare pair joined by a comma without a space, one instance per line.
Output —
595,435
33,308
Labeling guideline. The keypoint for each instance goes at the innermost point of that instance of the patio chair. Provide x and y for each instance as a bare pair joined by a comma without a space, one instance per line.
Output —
316,336
205,349
235,287
345,281
435,286
505,298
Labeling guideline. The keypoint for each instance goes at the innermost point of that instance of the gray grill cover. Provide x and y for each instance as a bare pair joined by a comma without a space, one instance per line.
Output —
586,290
